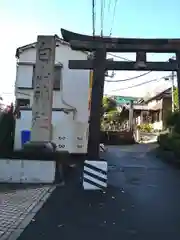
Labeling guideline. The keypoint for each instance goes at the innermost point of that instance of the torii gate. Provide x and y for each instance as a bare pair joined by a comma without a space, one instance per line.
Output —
100,46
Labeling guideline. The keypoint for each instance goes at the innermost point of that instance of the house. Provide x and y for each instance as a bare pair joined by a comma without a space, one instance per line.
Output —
70,94
66,81
158,107
153,110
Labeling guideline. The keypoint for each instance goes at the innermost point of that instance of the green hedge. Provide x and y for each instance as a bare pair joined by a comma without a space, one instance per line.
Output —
170,142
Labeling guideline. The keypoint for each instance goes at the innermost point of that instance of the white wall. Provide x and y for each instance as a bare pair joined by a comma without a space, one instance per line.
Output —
75,83
27,171
72,135
155,104
157,125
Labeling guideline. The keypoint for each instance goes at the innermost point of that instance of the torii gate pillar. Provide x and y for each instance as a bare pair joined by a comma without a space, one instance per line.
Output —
96,103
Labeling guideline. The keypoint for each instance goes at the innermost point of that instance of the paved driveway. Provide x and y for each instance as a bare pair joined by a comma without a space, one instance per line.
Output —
18,206
142,203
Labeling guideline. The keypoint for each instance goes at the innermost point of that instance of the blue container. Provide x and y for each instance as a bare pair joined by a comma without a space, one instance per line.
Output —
25,136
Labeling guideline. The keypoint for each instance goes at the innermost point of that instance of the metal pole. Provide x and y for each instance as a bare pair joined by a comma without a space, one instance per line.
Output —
178,77
131,116
96,104
93,16
172,90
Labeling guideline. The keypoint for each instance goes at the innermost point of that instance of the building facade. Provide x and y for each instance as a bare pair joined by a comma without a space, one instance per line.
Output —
70,95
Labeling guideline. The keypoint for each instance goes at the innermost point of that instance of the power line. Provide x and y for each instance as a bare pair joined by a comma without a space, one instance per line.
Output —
109,6
140,84
109,9
128,79
123,58
93,17
102,16
114,13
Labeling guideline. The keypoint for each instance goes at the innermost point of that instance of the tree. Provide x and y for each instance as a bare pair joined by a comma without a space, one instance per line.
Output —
109,104
109,111
111,118
176,98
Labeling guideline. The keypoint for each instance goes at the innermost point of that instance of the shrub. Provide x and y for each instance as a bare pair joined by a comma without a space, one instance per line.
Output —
170,142
175,135
175,146
164,141
173,121
145,127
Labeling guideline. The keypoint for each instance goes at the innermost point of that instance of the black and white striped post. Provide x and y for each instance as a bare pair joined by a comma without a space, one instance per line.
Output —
95,175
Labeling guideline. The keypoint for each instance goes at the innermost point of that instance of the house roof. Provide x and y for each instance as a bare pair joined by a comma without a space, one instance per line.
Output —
33,45
166,92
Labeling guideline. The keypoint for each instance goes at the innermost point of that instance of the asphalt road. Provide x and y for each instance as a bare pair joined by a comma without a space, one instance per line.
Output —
142,202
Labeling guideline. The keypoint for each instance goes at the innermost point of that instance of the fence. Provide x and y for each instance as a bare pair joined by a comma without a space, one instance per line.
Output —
117,137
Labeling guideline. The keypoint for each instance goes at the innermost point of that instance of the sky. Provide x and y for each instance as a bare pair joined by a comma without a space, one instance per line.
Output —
22,20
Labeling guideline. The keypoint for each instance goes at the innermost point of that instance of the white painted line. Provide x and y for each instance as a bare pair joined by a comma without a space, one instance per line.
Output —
89,186
99,164
95,180
98,174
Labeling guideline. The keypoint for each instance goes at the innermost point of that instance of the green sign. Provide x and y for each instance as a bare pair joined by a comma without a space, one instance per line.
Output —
125,100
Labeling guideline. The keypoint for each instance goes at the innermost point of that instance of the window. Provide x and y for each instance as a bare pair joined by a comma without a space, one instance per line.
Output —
23,102
57,77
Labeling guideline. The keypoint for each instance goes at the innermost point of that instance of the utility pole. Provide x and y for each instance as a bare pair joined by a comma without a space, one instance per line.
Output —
172,82
93,16
178,77
172,89
131,116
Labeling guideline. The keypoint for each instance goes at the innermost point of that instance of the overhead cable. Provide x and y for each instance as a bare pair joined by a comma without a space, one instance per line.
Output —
128,79
123,58
93,17
102,16
114,13
140,84
109,6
